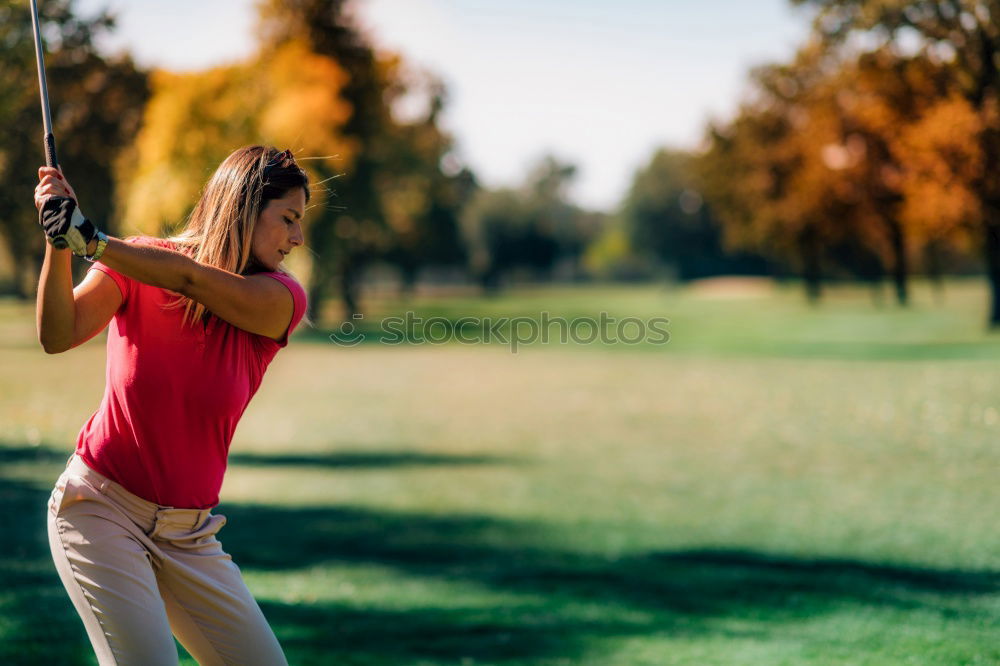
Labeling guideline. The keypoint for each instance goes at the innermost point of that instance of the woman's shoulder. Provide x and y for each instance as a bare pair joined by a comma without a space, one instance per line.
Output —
290,281
300,300
281,275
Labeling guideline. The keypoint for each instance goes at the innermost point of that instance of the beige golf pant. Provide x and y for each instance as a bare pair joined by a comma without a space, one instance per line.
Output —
136,571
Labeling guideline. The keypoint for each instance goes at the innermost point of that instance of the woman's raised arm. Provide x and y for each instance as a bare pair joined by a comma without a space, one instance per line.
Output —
256,303
66,317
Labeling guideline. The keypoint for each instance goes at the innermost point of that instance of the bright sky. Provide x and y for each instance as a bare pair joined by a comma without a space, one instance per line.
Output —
599,84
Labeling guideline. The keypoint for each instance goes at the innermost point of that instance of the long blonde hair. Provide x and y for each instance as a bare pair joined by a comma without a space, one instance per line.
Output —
219,231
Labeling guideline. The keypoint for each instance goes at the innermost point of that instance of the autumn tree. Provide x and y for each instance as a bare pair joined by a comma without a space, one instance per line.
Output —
845,162
96,106
882,98
943,162
315,86
194,120
964,37
389,161
765,176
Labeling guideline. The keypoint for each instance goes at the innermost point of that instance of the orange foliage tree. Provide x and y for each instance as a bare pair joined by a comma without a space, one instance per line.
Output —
832,159
883,98
315,86
943,161
395,199
778,175
193,120
963,37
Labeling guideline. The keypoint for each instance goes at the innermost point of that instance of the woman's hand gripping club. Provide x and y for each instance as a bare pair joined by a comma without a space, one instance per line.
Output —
59,215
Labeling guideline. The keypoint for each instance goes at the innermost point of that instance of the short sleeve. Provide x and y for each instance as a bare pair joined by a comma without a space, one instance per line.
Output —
298,302
125,284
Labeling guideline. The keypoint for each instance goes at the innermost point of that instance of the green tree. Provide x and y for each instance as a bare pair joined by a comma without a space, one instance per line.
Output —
424,192
667,220
533,227
96,108
611,255
571,228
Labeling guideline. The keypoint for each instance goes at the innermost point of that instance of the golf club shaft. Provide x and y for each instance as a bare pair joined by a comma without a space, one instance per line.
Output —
50,141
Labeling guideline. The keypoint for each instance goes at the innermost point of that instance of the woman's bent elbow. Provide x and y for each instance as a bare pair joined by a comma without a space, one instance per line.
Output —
54,346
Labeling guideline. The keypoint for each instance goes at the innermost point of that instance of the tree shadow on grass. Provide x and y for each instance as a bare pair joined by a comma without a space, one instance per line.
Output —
555,603
332,459
37,622
687,590
32,454
365,459
334,633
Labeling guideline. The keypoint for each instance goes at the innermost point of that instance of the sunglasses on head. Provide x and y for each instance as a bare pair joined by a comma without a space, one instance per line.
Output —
277,161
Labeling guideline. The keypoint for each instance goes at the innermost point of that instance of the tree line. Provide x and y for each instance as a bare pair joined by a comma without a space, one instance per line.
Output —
873,151
139,145
870,155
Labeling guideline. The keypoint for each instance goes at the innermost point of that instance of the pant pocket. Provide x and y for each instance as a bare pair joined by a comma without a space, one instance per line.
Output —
55,497
69,489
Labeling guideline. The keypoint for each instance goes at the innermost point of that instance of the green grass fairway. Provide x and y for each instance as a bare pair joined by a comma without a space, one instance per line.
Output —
778,484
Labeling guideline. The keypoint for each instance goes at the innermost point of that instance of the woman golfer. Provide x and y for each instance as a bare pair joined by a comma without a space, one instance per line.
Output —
194,322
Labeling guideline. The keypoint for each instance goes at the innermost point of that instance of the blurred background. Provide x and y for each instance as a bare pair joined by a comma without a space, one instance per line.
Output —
806,473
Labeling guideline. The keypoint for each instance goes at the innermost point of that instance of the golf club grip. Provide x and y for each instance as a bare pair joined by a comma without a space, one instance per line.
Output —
50,151
59,243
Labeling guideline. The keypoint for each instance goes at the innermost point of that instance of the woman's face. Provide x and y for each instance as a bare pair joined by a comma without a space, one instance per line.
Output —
278,229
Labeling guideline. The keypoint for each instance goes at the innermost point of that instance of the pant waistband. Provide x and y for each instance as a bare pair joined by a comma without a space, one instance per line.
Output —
149,515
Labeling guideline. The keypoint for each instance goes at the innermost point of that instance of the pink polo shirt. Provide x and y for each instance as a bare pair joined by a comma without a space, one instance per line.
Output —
174,394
